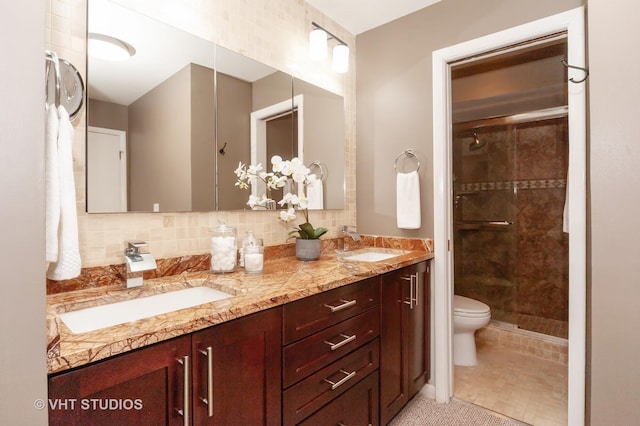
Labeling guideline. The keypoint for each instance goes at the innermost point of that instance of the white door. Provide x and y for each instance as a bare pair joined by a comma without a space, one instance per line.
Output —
571,22
106,170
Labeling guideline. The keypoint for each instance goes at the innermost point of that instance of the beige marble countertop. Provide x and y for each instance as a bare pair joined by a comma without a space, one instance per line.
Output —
283,280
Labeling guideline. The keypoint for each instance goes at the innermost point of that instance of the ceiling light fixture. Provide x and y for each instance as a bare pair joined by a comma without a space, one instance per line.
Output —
318,48
109,48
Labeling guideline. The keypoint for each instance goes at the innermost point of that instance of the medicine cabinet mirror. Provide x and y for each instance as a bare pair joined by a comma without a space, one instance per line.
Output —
167,127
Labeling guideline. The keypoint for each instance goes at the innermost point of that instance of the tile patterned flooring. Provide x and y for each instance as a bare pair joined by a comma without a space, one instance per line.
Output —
519,385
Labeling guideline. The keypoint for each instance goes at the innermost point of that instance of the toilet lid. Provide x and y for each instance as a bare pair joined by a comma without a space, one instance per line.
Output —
463,305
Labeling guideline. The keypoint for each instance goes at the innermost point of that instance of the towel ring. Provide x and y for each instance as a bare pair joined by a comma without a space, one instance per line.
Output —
319,165
407,153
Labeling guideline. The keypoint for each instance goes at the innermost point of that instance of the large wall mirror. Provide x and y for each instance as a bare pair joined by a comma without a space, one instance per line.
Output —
167,127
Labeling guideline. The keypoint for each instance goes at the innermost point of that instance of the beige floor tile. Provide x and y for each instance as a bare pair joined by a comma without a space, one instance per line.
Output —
518,385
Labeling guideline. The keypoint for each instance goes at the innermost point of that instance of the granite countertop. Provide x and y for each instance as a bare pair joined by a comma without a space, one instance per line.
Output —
283,280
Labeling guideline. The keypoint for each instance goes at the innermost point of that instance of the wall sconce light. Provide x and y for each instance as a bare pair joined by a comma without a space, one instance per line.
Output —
109,48
318,48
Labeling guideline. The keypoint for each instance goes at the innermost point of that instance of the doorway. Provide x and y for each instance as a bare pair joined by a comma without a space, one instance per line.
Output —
571,22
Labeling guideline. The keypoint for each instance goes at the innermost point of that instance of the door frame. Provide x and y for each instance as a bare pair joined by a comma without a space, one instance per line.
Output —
572,22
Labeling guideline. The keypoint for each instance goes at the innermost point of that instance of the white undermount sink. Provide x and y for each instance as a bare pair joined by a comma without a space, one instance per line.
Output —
97,317
371,256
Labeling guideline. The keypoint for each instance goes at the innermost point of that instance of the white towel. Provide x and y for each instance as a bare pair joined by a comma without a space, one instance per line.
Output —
68,264
52,183
408,200
315,195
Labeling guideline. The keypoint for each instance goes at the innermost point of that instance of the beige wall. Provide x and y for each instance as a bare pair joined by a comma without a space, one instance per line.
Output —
108,115
203,137
614,175
22,295
160,156
394,95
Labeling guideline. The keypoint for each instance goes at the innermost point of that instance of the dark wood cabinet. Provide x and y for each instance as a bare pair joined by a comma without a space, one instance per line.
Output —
353,355
404,341
146,386
331,355
237,365
358,406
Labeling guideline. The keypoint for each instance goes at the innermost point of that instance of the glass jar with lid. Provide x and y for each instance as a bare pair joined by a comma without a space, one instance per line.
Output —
223,249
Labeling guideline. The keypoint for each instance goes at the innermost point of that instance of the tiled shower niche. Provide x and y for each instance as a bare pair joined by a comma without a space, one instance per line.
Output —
510,250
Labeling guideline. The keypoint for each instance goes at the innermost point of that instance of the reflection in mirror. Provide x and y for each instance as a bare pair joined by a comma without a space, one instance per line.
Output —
156,161
322,136
160,139
254,121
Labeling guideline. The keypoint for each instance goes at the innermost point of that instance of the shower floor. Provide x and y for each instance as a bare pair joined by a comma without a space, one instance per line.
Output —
547,326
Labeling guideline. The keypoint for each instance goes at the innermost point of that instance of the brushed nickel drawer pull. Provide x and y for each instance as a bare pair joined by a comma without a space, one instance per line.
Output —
185,395
345,304
209,399
346,340
348,376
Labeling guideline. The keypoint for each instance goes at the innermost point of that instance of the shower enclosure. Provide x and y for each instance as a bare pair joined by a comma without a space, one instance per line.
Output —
511,251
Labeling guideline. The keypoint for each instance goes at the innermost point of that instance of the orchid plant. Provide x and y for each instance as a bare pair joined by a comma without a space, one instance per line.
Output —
283,171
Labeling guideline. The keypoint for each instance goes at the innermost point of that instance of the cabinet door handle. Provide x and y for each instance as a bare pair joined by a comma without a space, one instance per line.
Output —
185,394
413,290
208,353
411,298
414,282
343,342
345,304
348,376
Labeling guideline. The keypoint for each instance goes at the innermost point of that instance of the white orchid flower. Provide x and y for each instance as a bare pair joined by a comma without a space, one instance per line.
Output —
303,202
288,215
241,171
276,163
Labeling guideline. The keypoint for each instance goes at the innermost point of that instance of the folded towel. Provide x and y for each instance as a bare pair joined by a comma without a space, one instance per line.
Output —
408,200
52,183
68,264
315,195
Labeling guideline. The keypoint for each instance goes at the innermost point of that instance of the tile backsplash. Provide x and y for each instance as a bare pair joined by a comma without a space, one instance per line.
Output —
273,32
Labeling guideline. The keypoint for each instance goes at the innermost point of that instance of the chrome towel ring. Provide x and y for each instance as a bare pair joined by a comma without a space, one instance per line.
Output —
407,153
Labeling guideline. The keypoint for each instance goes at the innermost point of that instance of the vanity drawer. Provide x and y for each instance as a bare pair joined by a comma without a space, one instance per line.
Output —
308,355
306,316
317,390
358,406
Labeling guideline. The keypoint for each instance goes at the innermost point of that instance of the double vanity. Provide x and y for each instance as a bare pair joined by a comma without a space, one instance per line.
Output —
334,341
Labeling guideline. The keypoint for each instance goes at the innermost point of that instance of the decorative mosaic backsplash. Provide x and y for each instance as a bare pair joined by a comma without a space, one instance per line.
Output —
521,184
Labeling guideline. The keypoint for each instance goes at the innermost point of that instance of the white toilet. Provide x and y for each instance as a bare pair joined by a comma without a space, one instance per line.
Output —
468,316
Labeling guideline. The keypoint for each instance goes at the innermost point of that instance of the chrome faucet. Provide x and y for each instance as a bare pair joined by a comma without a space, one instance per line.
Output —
346,235
137,262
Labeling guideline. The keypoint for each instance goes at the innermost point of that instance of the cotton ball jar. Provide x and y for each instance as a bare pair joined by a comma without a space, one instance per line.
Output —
223,249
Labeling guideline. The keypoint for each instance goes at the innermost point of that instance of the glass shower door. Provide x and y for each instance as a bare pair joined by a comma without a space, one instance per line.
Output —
485,240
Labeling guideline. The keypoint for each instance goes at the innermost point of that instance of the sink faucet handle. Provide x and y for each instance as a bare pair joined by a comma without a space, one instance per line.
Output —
133,247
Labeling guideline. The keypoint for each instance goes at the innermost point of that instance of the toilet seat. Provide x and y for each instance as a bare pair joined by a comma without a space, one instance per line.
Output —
469,308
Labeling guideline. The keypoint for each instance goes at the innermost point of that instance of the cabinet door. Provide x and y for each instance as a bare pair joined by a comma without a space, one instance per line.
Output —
404,339
394,357
143,387
237,365
419,350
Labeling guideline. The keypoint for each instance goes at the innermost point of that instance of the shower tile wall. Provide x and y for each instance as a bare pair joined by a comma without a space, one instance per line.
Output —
518,176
